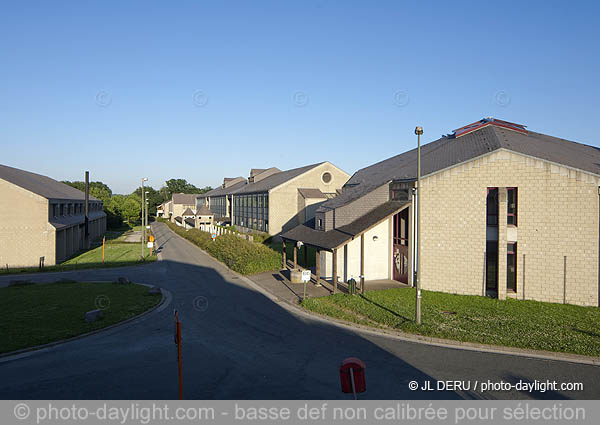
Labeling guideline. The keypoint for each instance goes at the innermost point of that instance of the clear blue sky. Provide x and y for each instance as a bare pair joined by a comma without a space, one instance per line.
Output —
212,89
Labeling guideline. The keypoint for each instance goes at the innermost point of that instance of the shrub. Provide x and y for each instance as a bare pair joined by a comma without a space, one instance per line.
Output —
238,254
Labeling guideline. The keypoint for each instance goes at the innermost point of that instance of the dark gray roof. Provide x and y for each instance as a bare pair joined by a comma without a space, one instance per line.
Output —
312,193
67,221
178,219
448,151
275,180
190,222
203,210
41,185
185,198
222,191
336,237
187,212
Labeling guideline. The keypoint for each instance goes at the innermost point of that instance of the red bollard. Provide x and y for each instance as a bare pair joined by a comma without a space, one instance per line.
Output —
352,376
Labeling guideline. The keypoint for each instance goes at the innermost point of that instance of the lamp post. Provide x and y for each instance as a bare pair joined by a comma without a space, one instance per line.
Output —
144,179
147,207
418,132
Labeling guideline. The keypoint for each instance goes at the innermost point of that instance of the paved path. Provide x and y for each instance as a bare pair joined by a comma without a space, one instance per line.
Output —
240,345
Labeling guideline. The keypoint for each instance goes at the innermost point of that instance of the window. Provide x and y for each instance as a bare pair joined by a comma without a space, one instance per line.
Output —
511,206
511,267
62,209
326,177
319,223
54,210
492,206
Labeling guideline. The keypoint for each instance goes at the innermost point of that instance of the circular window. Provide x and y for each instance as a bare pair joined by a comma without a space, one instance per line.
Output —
326,177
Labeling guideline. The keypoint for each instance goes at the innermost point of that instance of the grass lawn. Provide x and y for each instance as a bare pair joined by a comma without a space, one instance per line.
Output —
514,323
37,314
116,254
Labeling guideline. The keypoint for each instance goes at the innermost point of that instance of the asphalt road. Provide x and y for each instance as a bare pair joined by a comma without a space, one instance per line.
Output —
238,344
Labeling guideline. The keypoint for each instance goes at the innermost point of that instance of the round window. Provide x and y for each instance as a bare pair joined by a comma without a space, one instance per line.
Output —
326,177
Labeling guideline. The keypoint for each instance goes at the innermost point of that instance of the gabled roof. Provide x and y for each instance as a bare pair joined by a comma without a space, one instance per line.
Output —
185,198
190,222
188,211
336,237
449,151
41,185
275,180
203,210
222,191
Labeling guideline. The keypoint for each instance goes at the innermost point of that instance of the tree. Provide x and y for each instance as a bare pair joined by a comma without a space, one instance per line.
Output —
182,186
131,208
98,190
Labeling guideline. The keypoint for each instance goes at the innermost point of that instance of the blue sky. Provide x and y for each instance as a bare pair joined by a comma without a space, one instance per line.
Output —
201,90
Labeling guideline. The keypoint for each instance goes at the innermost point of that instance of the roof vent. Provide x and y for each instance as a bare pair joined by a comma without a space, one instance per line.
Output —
484,123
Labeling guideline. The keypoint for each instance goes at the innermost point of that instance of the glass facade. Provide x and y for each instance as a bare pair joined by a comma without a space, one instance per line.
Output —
251,211
218,205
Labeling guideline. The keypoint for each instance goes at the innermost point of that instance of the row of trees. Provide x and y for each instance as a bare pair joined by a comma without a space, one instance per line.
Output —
122,209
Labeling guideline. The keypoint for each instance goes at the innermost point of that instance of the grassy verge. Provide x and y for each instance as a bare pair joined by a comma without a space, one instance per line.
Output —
116,254
238,254
38,314
513,323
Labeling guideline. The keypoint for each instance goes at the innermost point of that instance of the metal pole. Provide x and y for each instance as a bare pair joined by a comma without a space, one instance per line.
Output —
418,132
143,228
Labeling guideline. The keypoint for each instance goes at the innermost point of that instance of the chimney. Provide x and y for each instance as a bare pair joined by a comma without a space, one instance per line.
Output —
87,210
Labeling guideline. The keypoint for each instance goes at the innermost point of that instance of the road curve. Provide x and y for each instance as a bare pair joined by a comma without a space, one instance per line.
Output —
238,344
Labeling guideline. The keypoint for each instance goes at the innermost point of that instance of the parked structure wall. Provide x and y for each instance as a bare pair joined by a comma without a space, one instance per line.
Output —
558,210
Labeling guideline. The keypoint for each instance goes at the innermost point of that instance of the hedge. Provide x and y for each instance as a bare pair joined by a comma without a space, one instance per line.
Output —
238,254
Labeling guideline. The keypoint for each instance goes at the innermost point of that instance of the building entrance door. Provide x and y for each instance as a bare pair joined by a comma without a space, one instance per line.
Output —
400,243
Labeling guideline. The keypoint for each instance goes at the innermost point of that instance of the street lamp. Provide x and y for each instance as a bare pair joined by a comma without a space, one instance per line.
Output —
147,207
144,179
418,132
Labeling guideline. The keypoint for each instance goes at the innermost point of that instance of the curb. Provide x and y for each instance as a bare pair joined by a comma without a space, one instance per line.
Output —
24,352
407,337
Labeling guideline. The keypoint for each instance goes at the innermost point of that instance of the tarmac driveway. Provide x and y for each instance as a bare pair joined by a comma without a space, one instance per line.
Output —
238,344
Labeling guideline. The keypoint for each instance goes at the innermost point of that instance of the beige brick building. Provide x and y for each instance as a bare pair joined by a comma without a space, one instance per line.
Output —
273,201
41,218
505,212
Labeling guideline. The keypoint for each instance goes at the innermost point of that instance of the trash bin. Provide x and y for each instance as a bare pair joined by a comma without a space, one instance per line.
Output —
352,286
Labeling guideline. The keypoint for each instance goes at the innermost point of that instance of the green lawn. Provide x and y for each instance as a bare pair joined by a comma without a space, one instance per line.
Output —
514,323
116,254
37,314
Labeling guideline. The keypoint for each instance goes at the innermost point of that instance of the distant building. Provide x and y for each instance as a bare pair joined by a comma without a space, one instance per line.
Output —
43,218
271,200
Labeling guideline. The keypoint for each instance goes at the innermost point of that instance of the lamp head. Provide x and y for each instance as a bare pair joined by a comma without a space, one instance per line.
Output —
419,130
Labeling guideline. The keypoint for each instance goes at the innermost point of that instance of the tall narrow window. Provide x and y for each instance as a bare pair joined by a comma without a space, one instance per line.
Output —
511,206
511,267
492,206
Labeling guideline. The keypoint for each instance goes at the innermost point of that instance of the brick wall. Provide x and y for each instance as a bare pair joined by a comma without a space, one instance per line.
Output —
557,217
350,212
25,234
283,200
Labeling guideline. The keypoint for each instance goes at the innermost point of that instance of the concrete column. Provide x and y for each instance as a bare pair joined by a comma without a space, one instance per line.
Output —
334,270
318,266
362,263
284,253
502,205
295,257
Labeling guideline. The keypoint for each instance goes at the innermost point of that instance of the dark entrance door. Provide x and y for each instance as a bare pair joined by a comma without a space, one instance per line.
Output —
400,241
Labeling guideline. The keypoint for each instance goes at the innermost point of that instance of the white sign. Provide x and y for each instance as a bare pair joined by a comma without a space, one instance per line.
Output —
305,275
147,227
150,244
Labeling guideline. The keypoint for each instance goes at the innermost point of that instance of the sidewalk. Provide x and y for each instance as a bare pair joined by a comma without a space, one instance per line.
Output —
277,283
